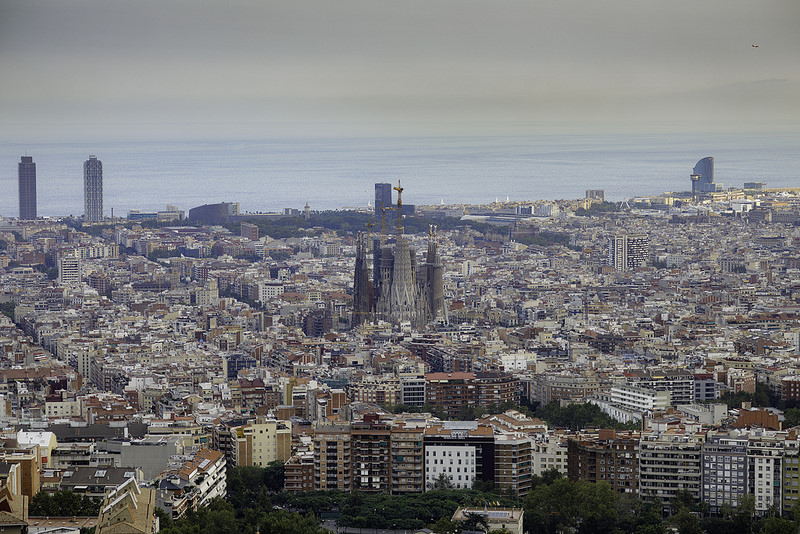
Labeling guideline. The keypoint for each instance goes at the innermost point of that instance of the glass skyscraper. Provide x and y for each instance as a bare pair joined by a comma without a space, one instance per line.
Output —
705,170
27,188
93,189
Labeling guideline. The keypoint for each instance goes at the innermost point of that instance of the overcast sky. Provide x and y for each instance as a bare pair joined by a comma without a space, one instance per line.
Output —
150,68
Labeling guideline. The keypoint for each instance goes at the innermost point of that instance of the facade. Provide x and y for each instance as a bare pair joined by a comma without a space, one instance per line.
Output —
363,298
596,194
513,461
451,391
464,452
765,452
628,251
546,388
128,508
261,442
791,480
669,462
408,463
93,189
249,231
705,387
383,197
372,458
69,270
412,389
214,213
27,188
703,177
607,456
724,470
332,457
626,402
679,383
299,473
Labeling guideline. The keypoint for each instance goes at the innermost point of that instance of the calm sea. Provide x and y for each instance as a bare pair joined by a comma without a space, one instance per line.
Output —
331,173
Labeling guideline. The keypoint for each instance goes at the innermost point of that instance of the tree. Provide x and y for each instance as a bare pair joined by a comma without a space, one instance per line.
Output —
63,503
164,519
791,417
744,514
445,525
686,522
475,521
273,476
442,482
778,525
7,309
579,506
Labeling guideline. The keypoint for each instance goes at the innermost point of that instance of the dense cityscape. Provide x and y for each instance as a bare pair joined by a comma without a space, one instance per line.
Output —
318,367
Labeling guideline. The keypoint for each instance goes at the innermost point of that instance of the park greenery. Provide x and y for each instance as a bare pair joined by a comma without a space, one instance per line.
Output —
598,208
352,222
256,502
544,239
7,309
576,416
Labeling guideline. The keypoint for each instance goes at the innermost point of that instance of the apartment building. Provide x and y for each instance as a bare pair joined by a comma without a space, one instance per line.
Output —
607,456
669,461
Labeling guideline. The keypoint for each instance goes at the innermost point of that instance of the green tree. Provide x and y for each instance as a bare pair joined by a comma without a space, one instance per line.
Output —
63,503
579,506
442,482
744,514
274,476
791,417
445,526
7,309
686,522
778,525
164,519
475,521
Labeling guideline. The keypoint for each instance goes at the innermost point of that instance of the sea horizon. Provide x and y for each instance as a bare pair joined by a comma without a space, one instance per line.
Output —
331,172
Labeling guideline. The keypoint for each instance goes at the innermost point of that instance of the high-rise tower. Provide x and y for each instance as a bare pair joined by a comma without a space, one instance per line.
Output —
27,188
93,189
628,251
383,197
703,176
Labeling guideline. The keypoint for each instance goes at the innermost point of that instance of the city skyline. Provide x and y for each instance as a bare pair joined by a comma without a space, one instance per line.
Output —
420,68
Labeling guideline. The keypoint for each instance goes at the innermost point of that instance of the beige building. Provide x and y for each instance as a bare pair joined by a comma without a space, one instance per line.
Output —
513,461
263,441
128,508
332,457
45,441
408,461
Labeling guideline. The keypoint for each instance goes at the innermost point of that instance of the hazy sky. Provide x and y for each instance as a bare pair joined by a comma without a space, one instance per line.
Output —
150,68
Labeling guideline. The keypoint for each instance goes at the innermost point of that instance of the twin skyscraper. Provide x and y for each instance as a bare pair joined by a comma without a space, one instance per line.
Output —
92,189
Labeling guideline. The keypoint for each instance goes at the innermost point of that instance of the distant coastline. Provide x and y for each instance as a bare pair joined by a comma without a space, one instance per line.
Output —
331,173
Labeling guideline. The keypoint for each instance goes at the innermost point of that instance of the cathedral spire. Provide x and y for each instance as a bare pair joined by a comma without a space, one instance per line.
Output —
399,213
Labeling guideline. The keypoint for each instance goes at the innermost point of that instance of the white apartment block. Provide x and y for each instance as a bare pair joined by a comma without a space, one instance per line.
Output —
457,462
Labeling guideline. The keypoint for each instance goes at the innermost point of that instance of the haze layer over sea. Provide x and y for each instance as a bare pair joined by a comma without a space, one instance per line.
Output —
332,173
